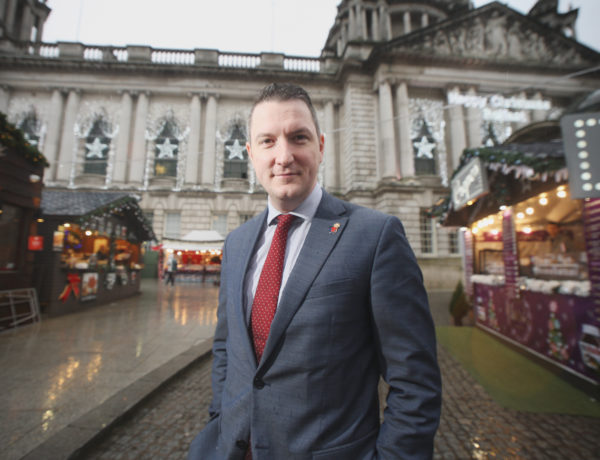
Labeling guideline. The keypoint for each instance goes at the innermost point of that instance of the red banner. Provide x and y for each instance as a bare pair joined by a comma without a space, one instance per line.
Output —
36,243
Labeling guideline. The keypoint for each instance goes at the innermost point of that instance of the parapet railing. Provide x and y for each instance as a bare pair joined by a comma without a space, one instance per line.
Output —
169,57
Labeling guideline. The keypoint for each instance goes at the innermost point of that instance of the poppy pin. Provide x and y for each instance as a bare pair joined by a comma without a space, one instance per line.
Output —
335,227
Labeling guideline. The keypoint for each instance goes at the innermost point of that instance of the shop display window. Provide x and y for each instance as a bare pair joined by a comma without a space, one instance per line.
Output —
91,249
549,235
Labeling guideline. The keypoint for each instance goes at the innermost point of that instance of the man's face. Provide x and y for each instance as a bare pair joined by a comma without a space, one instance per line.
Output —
285,150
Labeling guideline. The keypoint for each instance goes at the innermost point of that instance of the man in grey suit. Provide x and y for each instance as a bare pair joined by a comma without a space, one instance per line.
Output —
351,309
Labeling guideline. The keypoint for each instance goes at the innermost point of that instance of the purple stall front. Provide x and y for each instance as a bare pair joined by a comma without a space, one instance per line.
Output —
531,253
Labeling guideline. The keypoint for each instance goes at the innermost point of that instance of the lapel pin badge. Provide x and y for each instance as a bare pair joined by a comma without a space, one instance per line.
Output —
335,227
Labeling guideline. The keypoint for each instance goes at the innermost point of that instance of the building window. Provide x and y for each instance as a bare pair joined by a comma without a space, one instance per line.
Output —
31,127
453,244
427,232
173,225
11,230
424,147
97,145
245,218
236,156
219,223
166,147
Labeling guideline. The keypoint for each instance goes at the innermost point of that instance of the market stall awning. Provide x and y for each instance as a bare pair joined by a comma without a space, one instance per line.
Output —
515,172
83,206
196,240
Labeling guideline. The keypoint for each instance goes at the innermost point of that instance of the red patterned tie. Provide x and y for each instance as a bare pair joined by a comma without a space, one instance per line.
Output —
269,283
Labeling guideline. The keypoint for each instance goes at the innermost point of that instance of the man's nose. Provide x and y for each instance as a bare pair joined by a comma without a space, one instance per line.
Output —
284,154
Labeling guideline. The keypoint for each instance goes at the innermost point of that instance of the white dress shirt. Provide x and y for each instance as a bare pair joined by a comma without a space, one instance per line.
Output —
295,240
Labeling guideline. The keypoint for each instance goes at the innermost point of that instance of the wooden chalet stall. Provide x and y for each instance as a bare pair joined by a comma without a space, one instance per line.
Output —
92,249
531,248
21,174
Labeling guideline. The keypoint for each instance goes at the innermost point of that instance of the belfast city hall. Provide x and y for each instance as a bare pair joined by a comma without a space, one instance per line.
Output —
401,89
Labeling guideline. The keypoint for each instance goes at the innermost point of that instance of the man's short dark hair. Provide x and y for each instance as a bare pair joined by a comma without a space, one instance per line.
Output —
285,92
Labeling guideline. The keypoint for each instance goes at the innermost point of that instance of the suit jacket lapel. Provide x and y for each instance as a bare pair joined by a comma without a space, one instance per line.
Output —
246,248
322,237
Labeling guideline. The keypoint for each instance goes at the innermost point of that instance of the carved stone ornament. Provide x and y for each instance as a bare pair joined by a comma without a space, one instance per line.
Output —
496,34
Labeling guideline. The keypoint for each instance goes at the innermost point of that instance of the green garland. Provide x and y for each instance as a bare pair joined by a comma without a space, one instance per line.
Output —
13,139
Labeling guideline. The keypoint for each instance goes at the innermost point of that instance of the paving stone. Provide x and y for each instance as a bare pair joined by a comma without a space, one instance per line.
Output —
472,424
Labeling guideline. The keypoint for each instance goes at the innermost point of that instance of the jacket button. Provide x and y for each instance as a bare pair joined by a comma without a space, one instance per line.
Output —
241,444
258,383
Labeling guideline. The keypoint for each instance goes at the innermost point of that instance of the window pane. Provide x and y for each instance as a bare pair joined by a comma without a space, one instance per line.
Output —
453,242
172,224
426,228
219,223
10,225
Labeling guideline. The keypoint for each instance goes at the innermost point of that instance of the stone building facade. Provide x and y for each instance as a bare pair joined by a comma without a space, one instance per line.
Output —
400,88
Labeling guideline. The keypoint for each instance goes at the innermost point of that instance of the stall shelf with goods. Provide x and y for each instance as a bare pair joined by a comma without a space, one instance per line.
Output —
92,249
198,255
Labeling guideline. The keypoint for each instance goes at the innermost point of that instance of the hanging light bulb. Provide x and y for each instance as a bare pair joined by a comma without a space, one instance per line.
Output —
529,211
520,215
543,200
527,230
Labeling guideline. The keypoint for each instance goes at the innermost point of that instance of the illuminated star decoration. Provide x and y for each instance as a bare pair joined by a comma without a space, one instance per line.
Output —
95,149
236,150
424,148
166,149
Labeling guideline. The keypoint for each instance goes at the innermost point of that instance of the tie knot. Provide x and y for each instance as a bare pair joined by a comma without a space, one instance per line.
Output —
285,220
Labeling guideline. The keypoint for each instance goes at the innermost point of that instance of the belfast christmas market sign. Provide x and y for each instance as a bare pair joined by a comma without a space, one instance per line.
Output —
469,183
497,107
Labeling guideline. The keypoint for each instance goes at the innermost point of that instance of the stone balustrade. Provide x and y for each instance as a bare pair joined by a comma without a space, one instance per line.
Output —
172,57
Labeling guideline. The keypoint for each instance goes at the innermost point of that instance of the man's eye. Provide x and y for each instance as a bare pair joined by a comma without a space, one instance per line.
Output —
301,137
265,141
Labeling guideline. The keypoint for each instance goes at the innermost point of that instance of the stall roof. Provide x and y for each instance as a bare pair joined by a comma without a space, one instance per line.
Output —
196,240
516,171
82,205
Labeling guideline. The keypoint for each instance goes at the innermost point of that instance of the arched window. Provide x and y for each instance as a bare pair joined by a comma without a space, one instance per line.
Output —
166,148
31,127
97,146
236,156
424,146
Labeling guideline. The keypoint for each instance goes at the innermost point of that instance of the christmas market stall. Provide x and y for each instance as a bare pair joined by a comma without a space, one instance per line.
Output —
21,178
92,249
532,245
198,255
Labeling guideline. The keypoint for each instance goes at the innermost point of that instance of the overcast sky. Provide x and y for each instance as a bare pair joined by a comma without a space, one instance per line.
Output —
293,27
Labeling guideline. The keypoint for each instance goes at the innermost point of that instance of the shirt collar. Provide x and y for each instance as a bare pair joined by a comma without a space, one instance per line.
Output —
306,210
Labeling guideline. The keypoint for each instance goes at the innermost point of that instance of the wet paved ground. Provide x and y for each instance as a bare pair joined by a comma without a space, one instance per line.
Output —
68,375
473,426
55,372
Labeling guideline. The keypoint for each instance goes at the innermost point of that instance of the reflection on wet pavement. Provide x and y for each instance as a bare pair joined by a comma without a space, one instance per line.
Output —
55,371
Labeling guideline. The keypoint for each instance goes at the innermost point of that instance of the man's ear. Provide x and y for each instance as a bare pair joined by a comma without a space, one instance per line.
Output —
248,150
322,144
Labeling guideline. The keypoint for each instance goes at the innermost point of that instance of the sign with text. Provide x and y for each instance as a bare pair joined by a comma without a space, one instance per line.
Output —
469,183
36,243
581,140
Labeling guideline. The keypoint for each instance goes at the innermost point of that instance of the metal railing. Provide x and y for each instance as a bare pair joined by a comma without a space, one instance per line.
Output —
18,306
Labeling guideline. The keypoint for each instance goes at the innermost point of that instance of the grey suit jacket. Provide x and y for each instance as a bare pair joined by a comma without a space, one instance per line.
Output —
354,308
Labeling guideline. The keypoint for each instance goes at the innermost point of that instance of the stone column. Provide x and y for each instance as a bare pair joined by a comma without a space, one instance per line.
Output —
330,160
363,22
456,132
407,157
352,28
9,20
375,24
406,19
424,20
474,121
538,115
53,133
65,157
209,153
122,153
138,150
387,151
4,98
191,165
388,24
